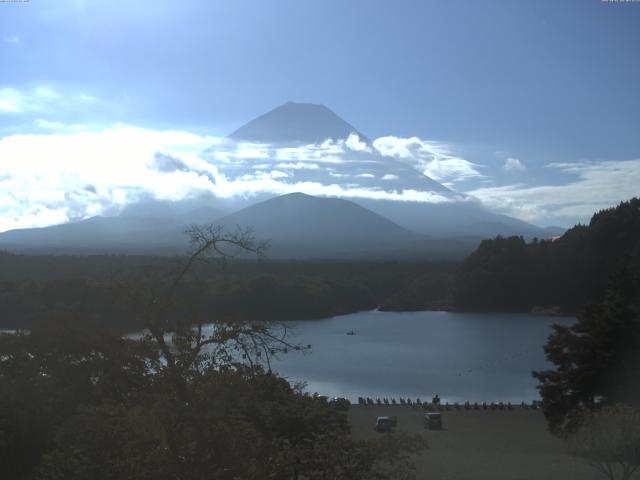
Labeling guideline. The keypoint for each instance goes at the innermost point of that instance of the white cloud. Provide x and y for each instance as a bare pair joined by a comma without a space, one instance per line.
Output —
71,172
59,126
259,175
13,40
598,185
390,176
51,172
227,189
34,216
252,151
47,125
42,100
514,165
354,143
299,166
327,152
10,100
432,159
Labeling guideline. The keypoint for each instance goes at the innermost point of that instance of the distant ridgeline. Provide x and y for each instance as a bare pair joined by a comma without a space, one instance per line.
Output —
559,275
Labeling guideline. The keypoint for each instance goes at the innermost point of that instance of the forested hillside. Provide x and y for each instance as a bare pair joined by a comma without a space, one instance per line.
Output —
100,288
558,275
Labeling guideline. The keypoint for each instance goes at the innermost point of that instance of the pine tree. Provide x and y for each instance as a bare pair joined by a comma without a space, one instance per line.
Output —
597,360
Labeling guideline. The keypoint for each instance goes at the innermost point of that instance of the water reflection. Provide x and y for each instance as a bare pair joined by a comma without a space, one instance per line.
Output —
460,356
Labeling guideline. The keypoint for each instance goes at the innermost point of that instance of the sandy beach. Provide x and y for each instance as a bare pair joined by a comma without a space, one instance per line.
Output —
480,444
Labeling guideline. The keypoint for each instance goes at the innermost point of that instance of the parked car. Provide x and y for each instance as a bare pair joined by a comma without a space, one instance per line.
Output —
383,424
433,420
341,403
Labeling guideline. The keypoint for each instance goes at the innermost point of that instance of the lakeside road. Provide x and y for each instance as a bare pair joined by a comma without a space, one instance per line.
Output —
480,444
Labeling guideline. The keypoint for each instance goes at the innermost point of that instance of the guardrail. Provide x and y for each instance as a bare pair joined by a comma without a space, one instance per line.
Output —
446,406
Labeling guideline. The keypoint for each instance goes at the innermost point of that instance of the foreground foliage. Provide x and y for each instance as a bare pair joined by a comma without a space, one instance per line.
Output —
609,441
180,401
597,360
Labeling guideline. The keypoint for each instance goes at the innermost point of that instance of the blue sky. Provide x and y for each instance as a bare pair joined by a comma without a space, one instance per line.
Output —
540,98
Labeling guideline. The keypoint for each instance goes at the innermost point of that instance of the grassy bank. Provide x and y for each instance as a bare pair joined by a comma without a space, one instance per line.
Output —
480,444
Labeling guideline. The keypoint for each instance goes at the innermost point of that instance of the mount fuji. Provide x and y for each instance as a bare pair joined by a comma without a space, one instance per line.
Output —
294,147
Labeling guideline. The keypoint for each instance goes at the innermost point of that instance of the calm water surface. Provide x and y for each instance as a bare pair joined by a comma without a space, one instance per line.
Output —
460,356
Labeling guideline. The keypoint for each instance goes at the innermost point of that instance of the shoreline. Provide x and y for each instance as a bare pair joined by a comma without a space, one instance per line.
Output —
13,329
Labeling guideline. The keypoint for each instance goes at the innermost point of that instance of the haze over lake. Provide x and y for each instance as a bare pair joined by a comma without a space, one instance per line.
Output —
460,356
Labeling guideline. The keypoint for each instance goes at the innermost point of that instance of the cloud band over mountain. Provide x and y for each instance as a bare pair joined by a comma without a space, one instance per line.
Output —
51,178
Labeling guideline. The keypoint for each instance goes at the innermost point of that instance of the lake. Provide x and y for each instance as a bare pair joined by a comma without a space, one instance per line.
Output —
460,356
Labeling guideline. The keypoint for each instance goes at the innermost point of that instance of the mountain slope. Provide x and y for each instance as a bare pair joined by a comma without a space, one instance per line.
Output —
303,226
454,219
301,216
296,123
298,226
130,232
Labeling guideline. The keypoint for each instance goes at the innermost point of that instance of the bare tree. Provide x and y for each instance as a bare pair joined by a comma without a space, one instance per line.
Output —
609,441
183,342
